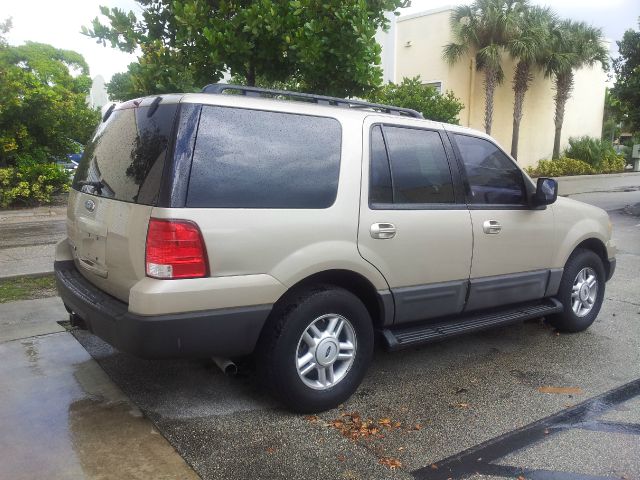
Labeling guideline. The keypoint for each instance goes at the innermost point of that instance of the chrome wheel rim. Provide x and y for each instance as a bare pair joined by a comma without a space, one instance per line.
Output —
326,351
584,291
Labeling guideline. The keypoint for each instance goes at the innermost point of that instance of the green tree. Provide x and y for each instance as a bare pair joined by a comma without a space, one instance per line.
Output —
411,93
572,45
612,117
627,73
329,47
122,86
5,26
527,48
484,29
43,110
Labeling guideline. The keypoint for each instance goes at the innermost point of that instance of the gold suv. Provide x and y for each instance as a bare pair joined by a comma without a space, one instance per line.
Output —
296,227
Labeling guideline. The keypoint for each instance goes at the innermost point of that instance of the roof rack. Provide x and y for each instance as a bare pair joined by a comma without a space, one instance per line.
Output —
308,97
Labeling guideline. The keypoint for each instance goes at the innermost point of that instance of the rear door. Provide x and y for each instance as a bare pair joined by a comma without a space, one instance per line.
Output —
116,185
513,242
414,228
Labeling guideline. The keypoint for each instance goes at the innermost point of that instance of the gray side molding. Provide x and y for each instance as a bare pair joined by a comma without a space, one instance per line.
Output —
555,276
422,302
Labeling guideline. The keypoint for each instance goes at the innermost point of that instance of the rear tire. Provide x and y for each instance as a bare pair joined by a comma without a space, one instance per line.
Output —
316,348
581,292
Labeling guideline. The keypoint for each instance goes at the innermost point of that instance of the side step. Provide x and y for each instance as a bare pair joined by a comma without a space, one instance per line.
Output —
405,337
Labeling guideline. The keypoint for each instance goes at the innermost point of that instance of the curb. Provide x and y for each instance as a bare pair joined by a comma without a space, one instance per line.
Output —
597,176
26,275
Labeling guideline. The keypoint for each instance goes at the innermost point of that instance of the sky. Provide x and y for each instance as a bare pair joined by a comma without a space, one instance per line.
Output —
58,23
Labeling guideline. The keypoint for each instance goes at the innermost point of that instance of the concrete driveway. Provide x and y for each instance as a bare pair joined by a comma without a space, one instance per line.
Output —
515,402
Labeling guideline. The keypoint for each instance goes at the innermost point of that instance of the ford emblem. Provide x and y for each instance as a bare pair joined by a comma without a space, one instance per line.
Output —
90,205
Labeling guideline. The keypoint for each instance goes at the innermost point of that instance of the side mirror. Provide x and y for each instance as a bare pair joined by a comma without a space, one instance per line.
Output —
546,192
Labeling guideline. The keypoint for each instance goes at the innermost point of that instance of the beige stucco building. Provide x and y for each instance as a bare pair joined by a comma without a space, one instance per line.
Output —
417,41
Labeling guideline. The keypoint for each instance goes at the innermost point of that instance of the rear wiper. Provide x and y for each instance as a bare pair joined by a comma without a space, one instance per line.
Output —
98,185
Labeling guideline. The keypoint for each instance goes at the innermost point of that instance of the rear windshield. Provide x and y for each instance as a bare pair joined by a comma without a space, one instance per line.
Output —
125,158
259,159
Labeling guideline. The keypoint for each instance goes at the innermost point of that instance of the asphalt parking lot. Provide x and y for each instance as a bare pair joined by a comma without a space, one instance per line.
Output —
425,413
516,402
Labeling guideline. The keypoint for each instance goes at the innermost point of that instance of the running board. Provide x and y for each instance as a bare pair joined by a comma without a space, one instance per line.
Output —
405,337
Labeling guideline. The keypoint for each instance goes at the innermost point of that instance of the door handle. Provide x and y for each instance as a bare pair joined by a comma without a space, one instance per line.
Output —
491,227
383,231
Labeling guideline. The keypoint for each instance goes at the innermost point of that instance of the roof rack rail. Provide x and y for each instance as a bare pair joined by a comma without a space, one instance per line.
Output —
308,97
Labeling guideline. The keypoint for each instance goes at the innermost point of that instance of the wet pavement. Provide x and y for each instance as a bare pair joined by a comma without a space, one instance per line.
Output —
61,417
515,402
448,398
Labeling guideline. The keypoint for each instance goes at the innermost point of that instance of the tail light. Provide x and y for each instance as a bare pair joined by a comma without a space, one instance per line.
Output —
175,249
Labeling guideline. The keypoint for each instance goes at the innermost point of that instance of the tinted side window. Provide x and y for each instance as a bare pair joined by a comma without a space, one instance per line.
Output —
493,177
257,159
380,182
125,158
419,168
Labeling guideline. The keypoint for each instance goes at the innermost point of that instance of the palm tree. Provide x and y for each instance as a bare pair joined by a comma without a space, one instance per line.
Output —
528,49
572,45
484,28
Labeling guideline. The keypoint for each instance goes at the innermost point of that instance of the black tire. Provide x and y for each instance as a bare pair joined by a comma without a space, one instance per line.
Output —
568,320
280,345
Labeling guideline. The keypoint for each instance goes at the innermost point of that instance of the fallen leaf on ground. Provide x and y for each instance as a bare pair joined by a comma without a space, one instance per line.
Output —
351,425
271,450
390,462
311,418
561,390
434,466
463,405
417,426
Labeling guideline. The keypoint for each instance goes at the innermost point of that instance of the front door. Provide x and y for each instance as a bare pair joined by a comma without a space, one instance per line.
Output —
413,228
513,243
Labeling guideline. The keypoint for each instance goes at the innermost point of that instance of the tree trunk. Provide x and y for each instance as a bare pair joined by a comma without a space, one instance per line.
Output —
490,82
563,86
251,75
521,81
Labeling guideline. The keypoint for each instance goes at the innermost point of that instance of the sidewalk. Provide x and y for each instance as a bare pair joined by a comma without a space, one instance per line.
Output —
61,416
598,183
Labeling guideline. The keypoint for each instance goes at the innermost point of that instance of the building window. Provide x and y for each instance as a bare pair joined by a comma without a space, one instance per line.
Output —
436,85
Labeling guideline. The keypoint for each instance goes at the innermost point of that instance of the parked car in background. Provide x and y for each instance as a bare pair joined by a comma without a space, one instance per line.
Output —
207,224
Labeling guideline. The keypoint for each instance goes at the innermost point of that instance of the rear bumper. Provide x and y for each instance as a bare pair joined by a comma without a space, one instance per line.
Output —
228,332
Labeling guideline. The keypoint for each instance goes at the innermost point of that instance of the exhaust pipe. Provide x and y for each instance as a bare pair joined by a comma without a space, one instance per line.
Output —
227,366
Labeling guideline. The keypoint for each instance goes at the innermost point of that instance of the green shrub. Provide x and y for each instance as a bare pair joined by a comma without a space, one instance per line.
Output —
412,93
560,167
30,183
613,164
594,151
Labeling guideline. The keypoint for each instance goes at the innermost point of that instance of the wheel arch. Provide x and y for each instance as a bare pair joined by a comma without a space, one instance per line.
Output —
379,304
596,246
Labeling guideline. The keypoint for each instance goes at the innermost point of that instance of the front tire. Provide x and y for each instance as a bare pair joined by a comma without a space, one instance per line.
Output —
581,292
316,348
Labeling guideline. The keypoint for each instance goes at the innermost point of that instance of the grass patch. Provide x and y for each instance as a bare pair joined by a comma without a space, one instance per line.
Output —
27,288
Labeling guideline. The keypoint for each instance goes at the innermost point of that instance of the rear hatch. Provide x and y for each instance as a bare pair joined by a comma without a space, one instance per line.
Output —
116,185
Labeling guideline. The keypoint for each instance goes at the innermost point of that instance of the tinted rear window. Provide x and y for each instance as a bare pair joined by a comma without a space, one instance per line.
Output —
258,159
125,158
419,167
